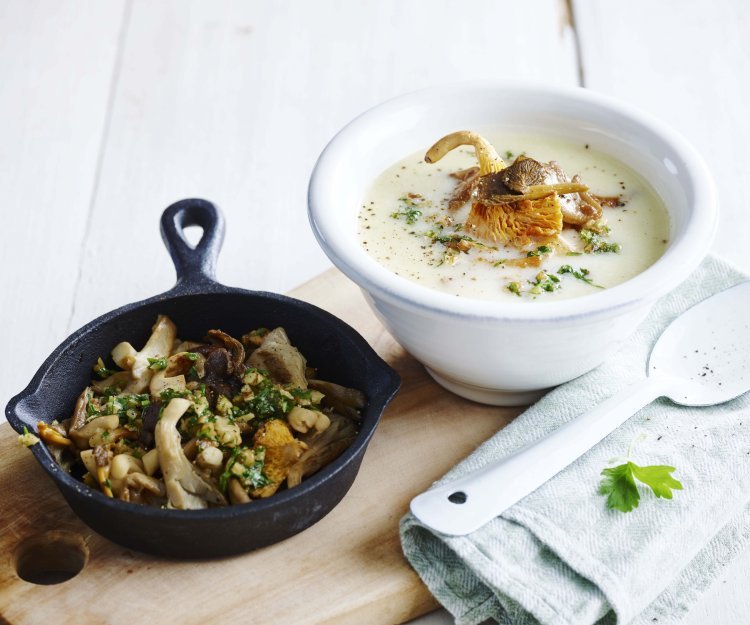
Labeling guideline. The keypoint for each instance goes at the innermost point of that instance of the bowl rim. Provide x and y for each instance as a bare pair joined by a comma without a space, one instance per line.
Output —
675,265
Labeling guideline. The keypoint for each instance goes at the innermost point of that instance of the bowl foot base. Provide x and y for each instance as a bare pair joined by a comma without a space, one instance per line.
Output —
482,395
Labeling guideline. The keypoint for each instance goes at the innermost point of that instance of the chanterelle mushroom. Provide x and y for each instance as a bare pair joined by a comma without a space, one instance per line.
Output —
186,488
525,200
282,452
489,161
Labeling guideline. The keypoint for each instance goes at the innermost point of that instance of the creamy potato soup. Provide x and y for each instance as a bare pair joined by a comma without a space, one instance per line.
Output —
406,224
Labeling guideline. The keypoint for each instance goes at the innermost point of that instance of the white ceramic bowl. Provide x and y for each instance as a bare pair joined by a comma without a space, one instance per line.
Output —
495,352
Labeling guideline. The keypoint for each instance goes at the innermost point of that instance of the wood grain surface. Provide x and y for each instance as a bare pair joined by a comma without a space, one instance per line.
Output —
348,568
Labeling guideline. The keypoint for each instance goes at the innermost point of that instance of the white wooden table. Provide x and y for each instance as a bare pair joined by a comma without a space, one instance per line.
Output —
110,110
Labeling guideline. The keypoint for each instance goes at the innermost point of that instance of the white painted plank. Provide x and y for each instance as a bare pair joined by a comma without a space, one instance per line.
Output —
687,63
56,62
233,101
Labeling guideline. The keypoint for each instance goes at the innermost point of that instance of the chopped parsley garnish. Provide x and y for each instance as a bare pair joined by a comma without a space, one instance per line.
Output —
192,356
580,274
251,476
157,364
300,393
169,394
455,244
540,251
255,476
544,282
111,390
515,288
411,215
102,371
460,242
595,243
409,208
269,402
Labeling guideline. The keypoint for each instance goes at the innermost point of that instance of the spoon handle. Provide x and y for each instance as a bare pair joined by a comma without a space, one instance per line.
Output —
466,504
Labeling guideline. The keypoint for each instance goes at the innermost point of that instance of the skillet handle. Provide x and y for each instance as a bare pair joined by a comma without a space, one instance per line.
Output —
194,265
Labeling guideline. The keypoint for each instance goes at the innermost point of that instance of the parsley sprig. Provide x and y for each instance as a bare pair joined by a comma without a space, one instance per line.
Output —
620,487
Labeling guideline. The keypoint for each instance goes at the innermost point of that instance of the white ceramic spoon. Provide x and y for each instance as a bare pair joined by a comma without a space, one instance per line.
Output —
701,359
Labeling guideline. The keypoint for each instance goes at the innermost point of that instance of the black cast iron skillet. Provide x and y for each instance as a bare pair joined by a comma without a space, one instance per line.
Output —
196,304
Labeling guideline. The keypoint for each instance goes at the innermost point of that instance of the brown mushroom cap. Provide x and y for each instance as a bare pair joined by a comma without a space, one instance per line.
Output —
233,346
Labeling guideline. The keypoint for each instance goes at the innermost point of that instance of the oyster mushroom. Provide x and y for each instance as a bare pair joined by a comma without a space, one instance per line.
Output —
135,487
236,492
159,345
322,448
82,436
160,383
173,375
345,401
78,420
284,363
119,379
186,488
180,363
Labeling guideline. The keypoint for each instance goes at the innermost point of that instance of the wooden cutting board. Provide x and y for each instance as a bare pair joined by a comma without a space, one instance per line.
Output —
348,568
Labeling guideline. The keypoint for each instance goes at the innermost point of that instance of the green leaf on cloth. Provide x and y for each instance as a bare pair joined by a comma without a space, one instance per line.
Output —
621,490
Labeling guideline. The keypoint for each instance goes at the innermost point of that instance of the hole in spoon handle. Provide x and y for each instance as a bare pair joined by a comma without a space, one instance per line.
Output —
458,497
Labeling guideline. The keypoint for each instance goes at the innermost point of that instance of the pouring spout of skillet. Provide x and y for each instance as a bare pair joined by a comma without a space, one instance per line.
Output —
196,304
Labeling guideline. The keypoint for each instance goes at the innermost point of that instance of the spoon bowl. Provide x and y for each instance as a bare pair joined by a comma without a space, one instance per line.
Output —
701,359
705,350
